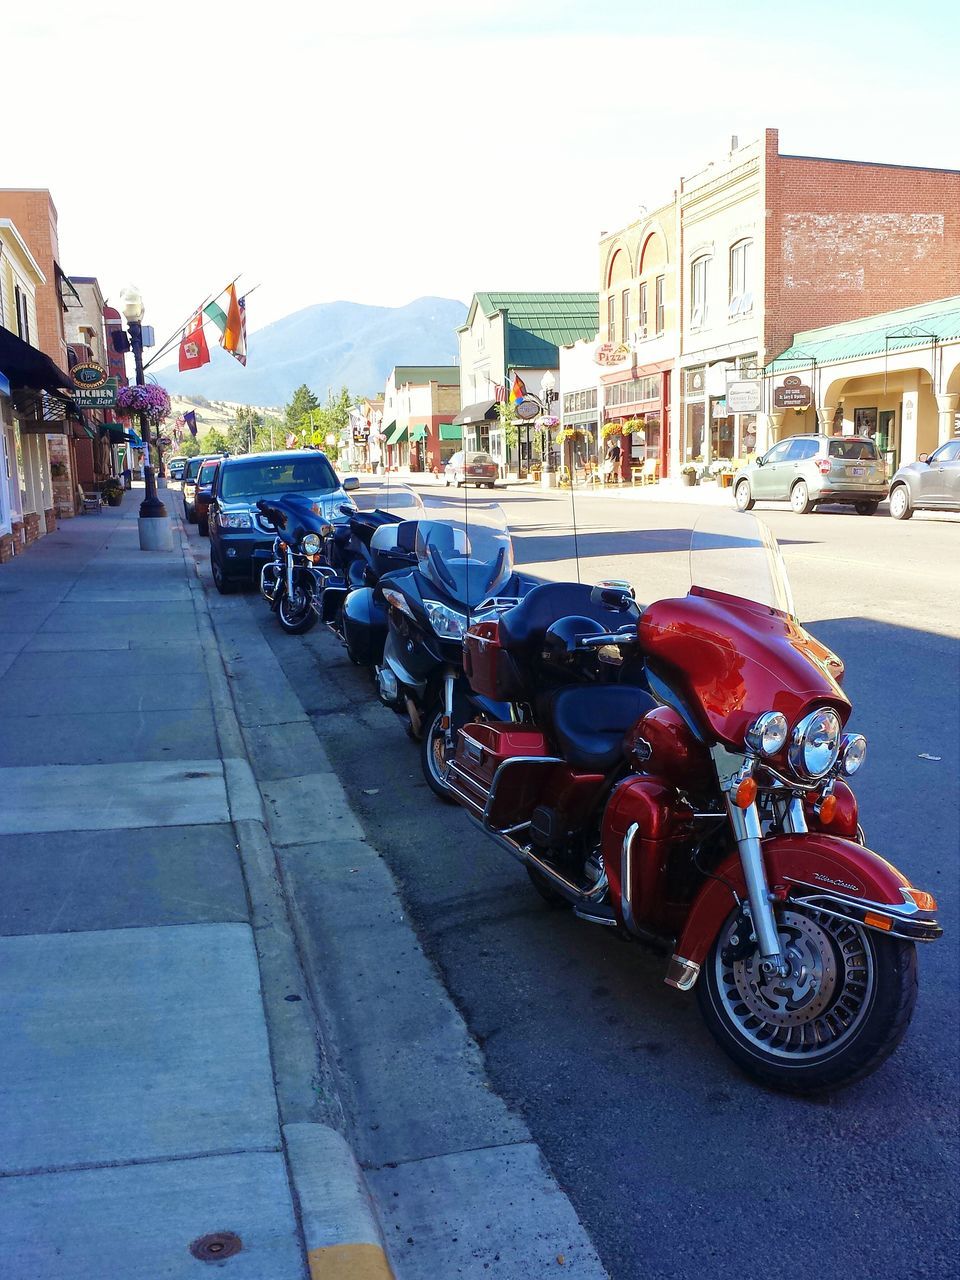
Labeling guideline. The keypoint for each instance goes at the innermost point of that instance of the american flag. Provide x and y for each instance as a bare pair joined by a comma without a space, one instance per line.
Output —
500,393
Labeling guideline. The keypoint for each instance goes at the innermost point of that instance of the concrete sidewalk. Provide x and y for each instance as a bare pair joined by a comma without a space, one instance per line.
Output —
163,1095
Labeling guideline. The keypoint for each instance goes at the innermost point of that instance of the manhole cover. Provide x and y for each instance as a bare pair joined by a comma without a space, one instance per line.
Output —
216,1247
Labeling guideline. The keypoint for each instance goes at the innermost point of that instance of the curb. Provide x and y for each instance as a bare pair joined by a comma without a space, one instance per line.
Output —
341,1234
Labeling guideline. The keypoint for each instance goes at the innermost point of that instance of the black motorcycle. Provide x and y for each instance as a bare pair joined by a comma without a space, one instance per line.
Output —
291,582
357,552
463,574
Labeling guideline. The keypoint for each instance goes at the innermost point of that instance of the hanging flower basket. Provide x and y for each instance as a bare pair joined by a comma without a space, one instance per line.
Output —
569,433
610,429
152,400
633,426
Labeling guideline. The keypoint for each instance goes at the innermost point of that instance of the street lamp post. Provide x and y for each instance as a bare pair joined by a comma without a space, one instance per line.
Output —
155,534
548,394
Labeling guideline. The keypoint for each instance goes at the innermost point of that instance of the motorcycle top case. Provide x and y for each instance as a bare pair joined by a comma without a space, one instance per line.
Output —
491,670
482,748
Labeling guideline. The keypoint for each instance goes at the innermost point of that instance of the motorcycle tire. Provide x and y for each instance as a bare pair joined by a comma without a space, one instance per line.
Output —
295,619
431,749
798,1038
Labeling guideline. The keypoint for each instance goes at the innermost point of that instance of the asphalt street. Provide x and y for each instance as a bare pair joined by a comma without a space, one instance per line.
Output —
676,1163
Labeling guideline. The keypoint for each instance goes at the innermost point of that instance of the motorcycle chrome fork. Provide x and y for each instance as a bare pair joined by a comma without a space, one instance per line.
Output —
732,769
289,572
449,681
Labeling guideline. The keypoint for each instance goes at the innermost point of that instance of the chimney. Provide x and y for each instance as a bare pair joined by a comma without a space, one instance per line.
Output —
734,142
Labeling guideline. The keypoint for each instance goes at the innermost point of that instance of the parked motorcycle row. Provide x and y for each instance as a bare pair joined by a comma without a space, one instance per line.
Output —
678,772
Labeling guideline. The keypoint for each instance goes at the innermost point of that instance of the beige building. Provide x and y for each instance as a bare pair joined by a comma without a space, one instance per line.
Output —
894,377
27,509
420,403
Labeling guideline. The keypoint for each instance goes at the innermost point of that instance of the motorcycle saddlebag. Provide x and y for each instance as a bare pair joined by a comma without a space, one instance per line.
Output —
365,626
491,670
482,749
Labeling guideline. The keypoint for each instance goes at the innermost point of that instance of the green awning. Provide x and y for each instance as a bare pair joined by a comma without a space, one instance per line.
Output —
396,435
417,434
451,431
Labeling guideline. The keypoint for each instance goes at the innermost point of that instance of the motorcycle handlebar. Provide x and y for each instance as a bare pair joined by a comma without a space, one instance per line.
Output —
615,637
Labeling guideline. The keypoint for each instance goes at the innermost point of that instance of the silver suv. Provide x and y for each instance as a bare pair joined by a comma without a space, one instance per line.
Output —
808,470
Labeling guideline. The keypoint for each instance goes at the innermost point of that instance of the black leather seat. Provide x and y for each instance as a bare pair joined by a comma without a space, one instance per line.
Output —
524,626
589,722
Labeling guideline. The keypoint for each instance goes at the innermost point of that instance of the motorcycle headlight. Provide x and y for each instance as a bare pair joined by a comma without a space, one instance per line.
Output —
815,743
447,623
768,733
853,752
310,544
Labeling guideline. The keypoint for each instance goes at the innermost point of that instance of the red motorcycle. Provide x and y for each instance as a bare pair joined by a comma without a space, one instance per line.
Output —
678,773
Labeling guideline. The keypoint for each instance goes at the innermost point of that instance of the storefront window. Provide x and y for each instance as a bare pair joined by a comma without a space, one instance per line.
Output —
693,441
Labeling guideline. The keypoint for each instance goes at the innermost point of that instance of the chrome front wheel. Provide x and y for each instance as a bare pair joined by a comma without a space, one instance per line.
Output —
841,1007
296,612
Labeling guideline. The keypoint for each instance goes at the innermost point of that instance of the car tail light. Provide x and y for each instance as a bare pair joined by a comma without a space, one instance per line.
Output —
824,464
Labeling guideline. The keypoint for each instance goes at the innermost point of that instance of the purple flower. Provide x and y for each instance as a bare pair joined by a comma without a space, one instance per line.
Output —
152,401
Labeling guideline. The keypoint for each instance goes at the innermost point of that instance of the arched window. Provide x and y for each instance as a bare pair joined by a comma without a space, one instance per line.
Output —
699,280
741,279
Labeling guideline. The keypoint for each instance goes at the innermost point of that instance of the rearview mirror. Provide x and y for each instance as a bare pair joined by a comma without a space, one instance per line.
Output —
350,483
924,457
759,459
615,595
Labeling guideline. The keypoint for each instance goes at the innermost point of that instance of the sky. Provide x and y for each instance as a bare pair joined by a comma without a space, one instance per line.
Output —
383,150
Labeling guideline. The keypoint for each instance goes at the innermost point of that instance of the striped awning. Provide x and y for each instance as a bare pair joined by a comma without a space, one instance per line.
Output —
396,435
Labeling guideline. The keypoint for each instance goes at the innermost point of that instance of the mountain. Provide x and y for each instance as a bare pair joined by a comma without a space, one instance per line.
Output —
332,344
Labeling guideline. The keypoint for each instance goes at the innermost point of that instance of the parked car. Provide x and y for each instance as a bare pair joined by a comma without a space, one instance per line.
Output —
175,467
809,470
471,468
188,486
241,542
932,483
203,492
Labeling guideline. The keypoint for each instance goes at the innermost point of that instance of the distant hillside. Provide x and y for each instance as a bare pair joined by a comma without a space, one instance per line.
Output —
332,344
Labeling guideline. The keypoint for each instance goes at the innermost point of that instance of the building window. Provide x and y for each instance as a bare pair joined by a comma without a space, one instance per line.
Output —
698,292
642,316
611,319
23,316
625,315
741,279
580,401
634,391
661,316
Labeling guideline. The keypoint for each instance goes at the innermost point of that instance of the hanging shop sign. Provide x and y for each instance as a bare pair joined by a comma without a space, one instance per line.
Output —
88,374
794,394
361,432
743,395
100,397
608,353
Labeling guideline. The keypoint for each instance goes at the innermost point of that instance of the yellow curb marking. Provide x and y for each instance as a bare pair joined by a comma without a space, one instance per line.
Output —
349,1262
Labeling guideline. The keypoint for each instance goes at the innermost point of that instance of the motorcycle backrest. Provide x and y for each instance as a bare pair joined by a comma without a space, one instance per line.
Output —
393,546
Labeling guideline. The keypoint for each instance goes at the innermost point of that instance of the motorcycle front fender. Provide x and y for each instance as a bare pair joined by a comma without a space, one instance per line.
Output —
824,872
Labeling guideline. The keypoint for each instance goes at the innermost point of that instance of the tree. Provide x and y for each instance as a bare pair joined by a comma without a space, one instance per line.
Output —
300,406
241,435
189,448
216,442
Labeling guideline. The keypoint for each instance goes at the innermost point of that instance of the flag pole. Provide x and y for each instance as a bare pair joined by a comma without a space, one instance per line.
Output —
175,336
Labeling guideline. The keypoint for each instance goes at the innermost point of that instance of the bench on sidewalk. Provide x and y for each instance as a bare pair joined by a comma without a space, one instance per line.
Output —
92,502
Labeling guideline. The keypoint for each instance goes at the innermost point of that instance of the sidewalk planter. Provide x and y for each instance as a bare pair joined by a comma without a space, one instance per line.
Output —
689,478
112,492
726,479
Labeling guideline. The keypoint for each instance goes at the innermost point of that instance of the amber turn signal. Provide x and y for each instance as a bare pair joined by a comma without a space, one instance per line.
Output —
925,901
828,809
877,921
745,794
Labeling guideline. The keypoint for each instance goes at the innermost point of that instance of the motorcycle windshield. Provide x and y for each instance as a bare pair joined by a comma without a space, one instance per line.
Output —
464,549
394,500
732,553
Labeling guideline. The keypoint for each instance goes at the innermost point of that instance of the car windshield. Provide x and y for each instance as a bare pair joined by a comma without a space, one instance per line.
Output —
735,554
192,467
478,457
854,450
464,550
260,477
207,472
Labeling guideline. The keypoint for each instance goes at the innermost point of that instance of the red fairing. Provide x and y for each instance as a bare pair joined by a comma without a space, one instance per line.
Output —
731,660
815,860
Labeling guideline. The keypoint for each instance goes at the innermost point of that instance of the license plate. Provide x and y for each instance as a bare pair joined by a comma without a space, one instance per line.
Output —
859,471
476,471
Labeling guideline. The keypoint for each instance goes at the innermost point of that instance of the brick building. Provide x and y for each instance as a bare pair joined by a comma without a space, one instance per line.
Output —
420,403
769,245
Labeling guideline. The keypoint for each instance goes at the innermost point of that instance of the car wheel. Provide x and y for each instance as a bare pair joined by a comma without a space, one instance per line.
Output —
741,496
866,508
491,485
900,505
220,581
800,498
